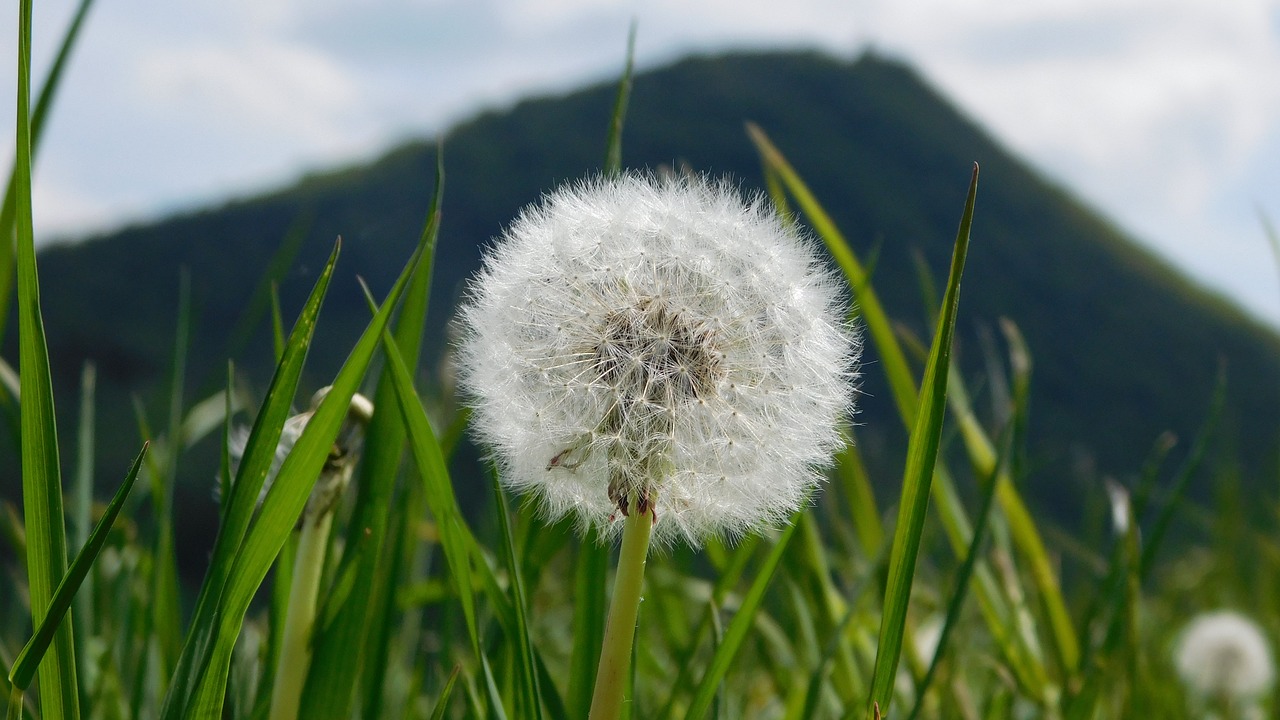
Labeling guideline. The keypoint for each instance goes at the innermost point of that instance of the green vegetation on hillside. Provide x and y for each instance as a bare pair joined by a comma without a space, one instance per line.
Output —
1126,348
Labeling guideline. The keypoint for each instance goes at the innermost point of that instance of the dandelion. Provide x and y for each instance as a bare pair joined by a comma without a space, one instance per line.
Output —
659,341
1225,656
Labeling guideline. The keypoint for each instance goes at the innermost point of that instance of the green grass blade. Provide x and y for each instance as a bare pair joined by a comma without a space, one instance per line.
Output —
736,634
351,654
39,119
530,697
922,453
283,505
1189,466
24,668
455,538
852,476
240,502
1022,527
878,325
41,473
961,585
588,623
83,508
613,146
901,384
442,702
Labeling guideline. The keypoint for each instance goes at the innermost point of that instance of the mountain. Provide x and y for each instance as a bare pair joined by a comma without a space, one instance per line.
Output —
1124,346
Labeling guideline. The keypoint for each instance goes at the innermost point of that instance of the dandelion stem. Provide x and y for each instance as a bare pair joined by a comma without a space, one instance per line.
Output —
620,629
295,650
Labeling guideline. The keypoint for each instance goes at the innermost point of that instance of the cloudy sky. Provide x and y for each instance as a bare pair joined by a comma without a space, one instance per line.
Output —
1165,114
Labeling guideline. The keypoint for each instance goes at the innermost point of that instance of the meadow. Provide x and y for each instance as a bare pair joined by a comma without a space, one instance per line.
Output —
347,580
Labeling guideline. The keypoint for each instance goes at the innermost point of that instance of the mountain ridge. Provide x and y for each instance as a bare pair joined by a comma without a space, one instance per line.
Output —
1125,345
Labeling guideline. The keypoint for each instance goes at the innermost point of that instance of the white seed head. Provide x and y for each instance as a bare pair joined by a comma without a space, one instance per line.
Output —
1224,653
660,340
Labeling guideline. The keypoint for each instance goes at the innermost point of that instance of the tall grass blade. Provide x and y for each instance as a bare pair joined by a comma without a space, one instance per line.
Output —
41,473
284,502
39,117
1195,457
455,537
881,330
922,454
591,568
82,511
240,502
613,146
24,668
736,634
529,694
442,702
351,653
961,585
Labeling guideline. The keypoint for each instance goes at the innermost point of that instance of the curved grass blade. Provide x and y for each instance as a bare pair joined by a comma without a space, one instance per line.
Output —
893,361
41,473
455,537
351,655
736,634
960,591
283,505
240,501
38,120
922,454
529,694
1029,672
613,147
1194,457
442,702
24,668
588,623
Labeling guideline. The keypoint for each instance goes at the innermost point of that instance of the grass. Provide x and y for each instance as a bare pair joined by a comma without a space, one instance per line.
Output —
425,610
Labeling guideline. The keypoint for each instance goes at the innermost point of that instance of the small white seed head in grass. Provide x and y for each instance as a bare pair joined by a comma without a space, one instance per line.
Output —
1224,654
662,340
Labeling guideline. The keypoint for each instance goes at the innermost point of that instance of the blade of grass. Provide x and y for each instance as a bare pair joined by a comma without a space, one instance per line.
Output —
284,503
1023,529
442,702
868,303
529,696
922,454
961,584
455,538
24,668
351,654
736,634
613,146
240,502
1195,457
588,623
902,386
41,474
38,121
83,509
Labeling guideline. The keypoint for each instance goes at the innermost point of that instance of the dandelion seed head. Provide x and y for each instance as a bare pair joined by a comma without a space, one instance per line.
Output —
637,337
1224,653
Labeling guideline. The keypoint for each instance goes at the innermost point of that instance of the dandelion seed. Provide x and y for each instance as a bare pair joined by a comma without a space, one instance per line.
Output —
659,340
1225,655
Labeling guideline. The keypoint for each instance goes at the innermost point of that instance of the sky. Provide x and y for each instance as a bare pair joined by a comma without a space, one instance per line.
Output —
1162,114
